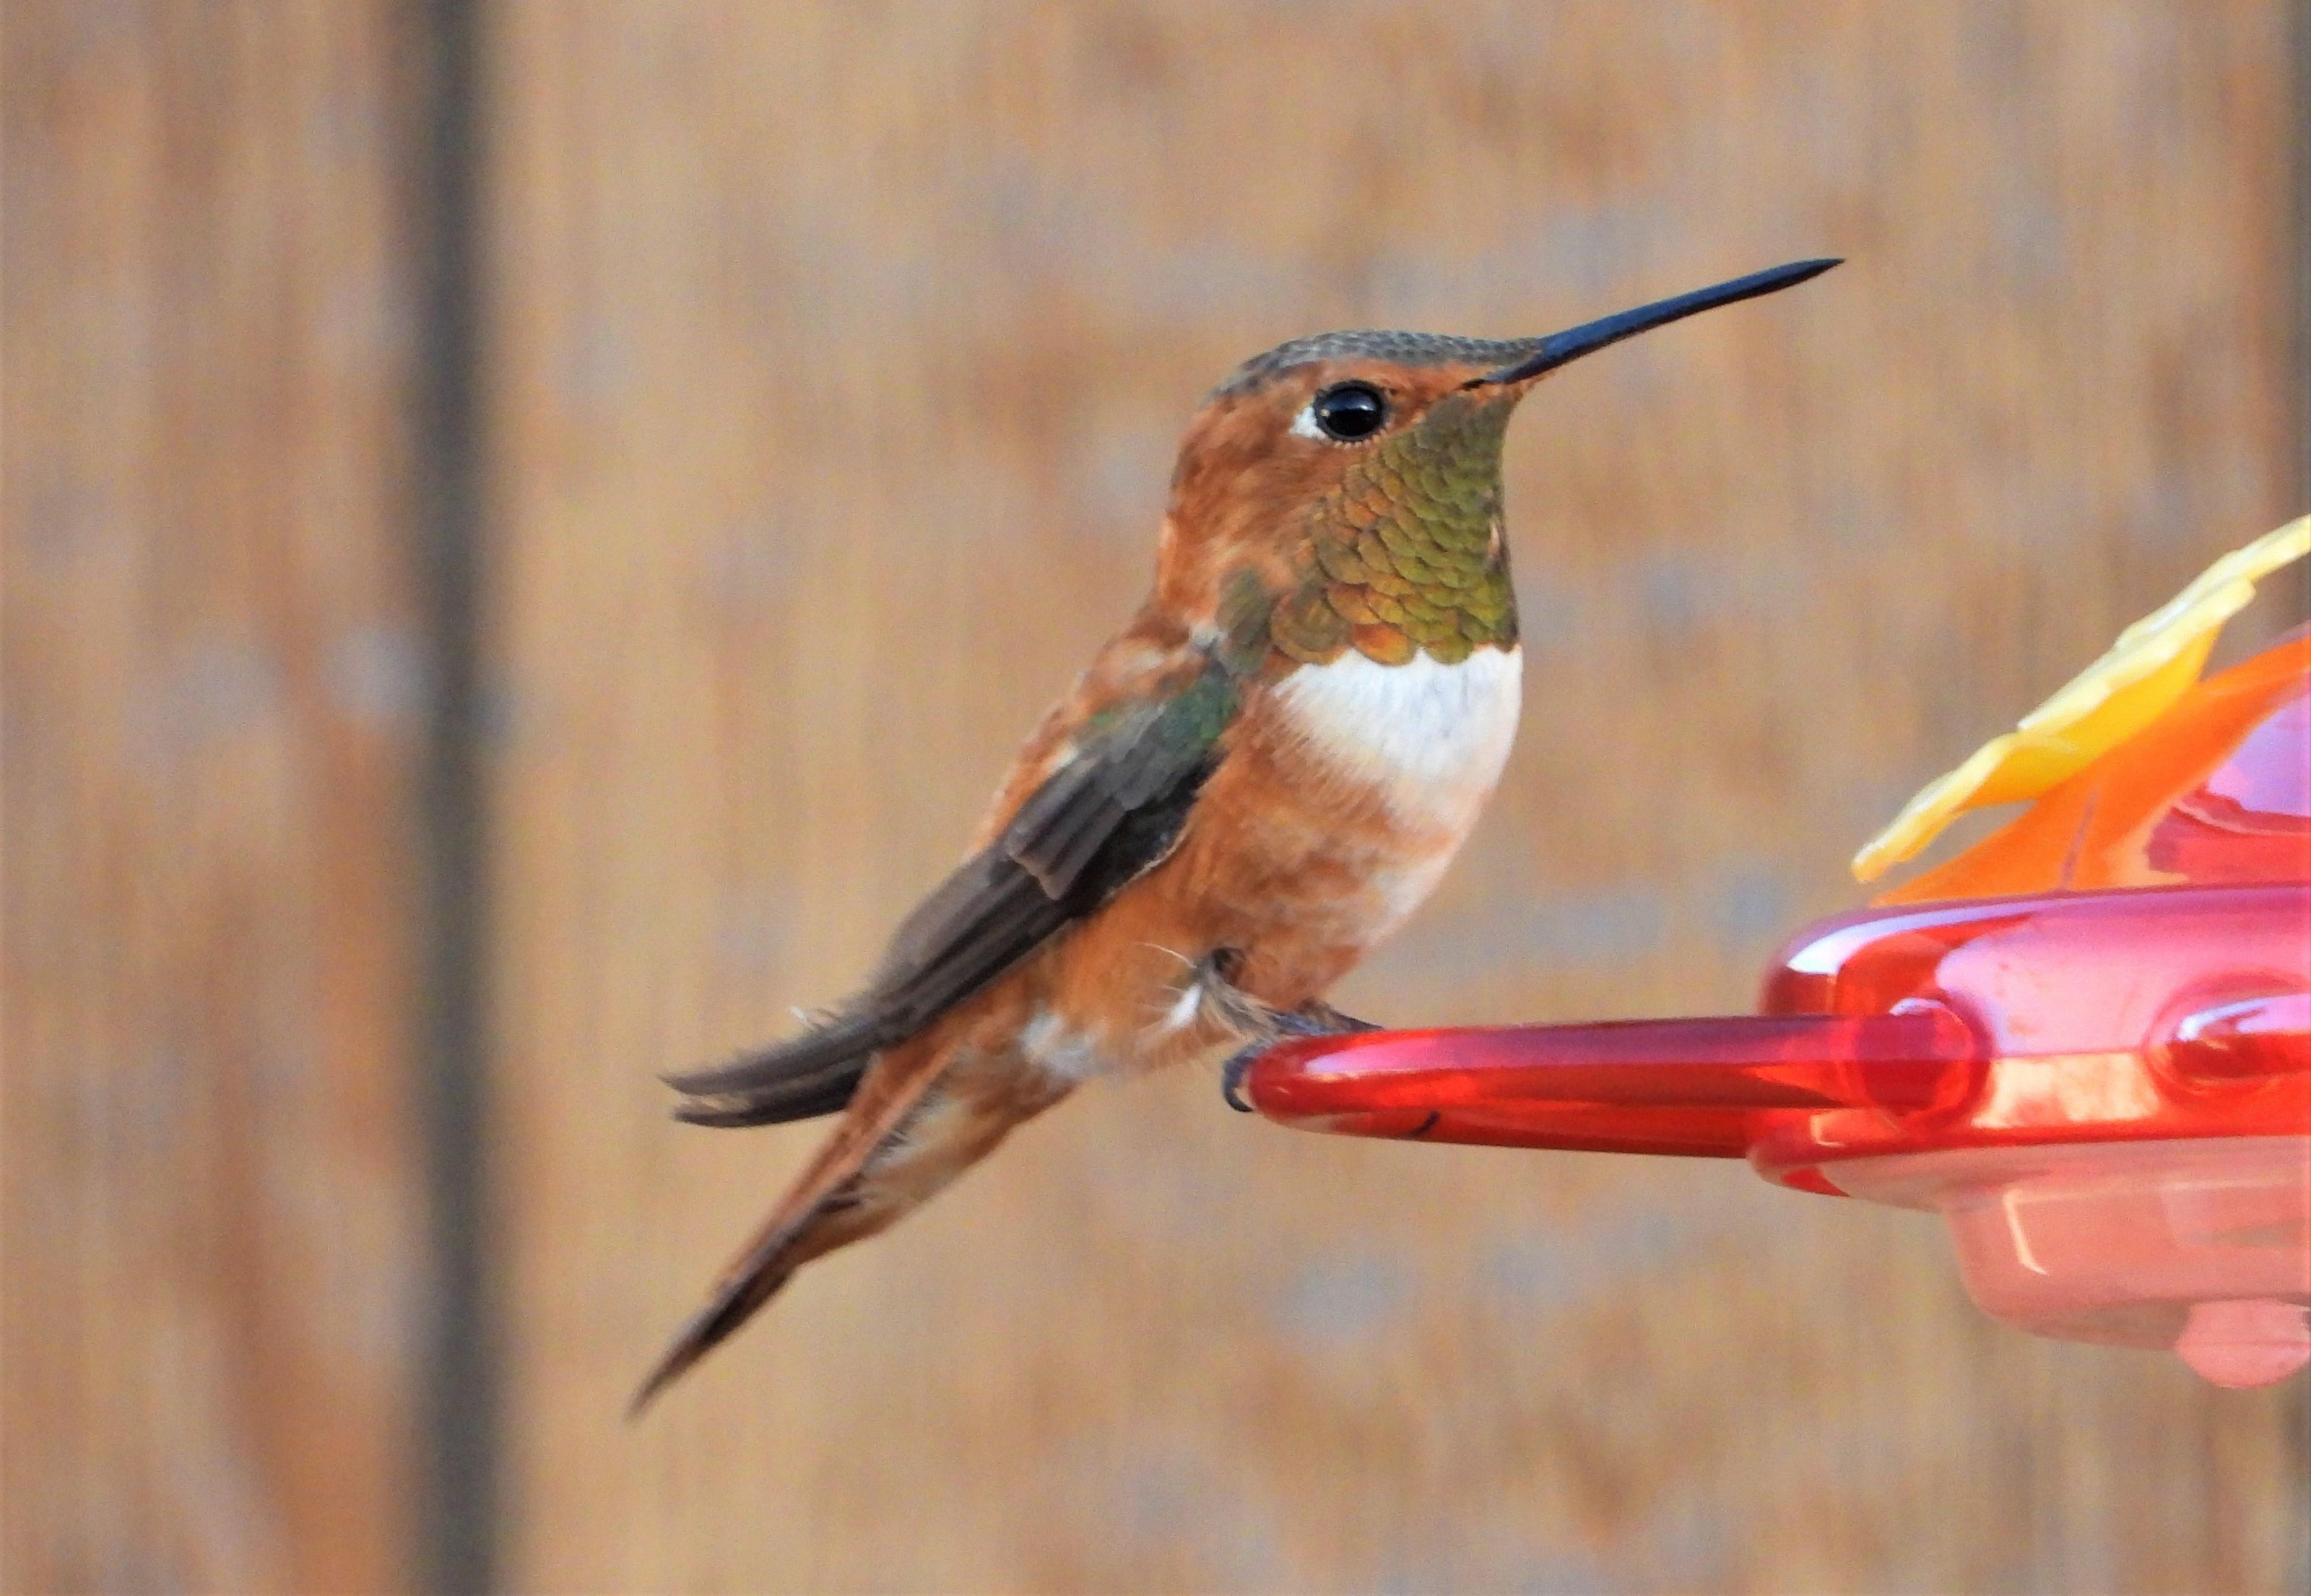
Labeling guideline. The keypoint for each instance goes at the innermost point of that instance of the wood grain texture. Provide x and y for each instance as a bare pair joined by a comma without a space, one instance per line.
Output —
845,353
842,354
839,352
212,681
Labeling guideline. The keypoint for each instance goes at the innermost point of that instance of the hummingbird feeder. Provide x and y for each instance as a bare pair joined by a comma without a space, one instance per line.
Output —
2085,1042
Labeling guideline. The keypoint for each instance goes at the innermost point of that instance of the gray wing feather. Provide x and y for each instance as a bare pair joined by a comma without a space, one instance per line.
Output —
1111,812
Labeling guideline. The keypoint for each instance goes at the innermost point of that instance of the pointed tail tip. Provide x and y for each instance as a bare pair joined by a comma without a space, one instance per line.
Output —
734,1301
704,1331
671,1365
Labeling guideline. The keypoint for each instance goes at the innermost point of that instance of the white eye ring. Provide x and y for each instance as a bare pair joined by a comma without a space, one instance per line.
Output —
1304,425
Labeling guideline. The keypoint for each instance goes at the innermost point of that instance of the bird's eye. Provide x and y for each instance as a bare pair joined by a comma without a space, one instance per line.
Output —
1349,412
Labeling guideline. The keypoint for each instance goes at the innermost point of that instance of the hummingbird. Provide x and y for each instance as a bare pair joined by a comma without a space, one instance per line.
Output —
1253,783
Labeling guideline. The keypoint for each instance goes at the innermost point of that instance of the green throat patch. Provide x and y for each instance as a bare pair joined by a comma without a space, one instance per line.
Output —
1407,555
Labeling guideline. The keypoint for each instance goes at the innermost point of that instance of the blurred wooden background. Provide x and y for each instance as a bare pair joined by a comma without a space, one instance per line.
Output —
834,356
213,677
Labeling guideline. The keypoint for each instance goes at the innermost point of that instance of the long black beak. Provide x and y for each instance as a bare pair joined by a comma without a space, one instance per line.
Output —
1559,348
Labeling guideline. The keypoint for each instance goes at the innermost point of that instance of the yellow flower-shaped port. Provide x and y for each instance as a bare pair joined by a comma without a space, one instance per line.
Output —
2153,663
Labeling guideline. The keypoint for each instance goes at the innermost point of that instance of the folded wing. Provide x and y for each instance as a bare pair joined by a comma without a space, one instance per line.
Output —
1112,810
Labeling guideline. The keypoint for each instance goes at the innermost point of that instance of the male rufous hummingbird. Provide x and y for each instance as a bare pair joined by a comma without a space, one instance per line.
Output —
1259,778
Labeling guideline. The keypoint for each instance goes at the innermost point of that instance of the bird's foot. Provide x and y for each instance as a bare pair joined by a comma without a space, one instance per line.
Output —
1311,1018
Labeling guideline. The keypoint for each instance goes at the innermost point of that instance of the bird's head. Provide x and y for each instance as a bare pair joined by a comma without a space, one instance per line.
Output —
1356,477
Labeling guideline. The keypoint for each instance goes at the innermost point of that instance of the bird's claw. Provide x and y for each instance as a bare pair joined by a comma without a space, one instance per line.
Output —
1232,1072
1283,1026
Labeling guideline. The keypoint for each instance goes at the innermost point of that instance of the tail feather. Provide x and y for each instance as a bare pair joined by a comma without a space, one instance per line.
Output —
752,1280
803,1224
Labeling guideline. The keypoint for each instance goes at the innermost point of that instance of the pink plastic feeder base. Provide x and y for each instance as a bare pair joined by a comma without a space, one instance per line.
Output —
2200,1246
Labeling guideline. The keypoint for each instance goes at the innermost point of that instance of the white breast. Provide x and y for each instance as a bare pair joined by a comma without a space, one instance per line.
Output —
1431,738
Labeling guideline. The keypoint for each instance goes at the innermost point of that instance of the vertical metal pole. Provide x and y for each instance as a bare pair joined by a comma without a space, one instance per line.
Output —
457,1429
